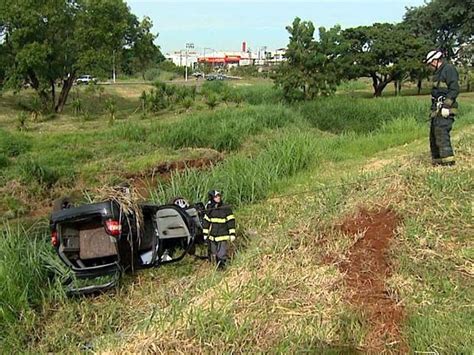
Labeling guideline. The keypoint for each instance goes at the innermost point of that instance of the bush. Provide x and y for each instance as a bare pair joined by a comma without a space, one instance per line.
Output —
152,74
212,101
164,96
12,145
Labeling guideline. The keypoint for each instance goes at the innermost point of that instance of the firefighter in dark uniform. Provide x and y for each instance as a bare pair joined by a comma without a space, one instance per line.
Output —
218,227
443,108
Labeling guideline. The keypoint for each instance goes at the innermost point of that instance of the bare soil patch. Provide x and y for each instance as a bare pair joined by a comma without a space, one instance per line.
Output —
366,269
143,181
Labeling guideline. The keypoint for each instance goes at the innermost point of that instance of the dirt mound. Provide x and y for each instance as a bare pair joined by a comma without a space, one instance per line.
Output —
366,269
145,180
164,170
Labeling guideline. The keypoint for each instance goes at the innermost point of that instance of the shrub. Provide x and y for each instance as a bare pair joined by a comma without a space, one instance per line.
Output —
212,101
152,74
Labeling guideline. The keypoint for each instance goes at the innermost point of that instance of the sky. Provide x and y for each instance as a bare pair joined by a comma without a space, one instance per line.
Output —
225,24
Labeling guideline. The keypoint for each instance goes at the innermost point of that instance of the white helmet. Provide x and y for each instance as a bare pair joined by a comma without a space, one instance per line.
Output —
432,56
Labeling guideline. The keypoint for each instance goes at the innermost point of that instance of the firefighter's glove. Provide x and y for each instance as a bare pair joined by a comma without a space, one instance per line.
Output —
232,238
448,103
445,112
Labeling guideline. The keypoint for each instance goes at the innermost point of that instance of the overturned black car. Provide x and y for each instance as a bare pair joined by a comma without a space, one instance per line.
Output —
101,241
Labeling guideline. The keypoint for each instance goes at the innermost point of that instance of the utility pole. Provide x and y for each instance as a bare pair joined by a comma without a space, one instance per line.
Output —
113,64
188,47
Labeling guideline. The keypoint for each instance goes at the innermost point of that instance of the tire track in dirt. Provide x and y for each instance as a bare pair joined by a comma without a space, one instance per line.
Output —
366,270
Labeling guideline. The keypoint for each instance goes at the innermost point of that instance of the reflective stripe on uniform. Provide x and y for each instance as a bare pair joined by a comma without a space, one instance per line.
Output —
232,231
230,217
220,238
214,220
447,159
205,231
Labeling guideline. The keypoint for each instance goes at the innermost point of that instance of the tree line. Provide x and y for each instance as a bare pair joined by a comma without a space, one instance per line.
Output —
383,52
47,44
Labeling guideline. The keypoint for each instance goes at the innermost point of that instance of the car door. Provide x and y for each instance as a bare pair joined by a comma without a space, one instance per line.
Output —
175,232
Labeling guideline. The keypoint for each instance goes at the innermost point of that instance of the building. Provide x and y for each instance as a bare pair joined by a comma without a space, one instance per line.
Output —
228,59
179,59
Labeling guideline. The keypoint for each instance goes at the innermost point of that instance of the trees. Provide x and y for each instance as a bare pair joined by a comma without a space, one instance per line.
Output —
383,52
447,24
311,68
54,41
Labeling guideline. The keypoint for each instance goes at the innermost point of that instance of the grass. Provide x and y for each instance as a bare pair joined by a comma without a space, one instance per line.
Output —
26,288
279,294
226,129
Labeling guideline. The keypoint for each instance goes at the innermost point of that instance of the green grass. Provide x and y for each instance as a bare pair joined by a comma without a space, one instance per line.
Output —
270,149
26,288
226,129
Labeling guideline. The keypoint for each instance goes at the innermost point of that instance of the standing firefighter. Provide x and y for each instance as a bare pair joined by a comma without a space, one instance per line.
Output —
443,108
218,227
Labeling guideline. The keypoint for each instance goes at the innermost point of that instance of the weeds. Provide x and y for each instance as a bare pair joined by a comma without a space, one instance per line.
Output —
342,114
111,109
24,255
225,129
13,145
212,101
21,119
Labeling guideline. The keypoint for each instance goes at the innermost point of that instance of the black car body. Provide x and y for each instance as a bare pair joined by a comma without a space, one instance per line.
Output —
100,239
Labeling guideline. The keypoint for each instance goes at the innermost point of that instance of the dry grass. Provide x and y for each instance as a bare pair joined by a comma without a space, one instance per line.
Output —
283,292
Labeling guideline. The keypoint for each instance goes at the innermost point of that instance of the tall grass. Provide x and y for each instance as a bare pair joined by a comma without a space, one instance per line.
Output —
259,94
339,114
225,130
25,286
12,145
247,179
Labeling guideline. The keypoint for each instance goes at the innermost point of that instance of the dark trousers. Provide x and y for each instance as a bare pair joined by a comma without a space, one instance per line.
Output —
218,252
440,138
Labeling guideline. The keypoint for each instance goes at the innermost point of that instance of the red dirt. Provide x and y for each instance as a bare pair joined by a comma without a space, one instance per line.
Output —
144,180
164,170
366,269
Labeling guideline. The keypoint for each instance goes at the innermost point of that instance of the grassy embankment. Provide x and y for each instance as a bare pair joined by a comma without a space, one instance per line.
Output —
270,149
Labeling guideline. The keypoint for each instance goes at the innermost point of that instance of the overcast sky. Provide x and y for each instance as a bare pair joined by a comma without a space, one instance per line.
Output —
224,24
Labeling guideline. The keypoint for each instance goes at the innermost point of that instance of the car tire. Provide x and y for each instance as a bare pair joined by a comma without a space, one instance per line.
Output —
62,203
180,202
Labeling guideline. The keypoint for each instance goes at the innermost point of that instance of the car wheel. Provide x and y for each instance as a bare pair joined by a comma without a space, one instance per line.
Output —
180,202
62,203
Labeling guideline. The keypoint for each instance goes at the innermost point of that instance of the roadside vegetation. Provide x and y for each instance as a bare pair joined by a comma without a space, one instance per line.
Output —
268,149
348,240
